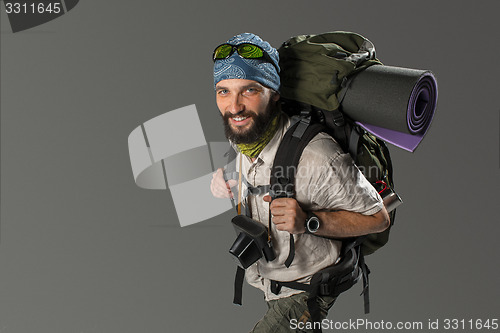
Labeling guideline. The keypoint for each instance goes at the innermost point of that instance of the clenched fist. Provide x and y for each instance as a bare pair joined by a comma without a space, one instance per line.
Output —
287,214
219,187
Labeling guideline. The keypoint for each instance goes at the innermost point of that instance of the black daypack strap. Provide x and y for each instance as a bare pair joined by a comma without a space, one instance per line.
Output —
277,285
288,155
366,285
238,285
291,252
287,158
258,190
356,133
339,127
312,304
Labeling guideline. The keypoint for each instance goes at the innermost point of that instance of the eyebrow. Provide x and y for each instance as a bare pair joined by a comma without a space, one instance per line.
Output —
252,85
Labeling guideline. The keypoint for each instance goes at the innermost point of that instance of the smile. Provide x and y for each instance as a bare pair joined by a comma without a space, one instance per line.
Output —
240,120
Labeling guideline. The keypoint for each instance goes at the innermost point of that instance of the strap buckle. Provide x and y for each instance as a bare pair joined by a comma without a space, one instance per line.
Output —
338,118
275,287
282,189
324,289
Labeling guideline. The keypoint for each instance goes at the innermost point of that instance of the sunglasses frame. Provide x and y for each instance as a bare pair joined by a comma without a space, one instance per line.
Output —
264,56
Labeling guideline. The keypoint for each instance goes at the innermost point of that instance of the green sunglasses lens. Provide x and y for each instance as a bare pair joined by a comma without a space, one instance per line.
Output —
223,51
250,51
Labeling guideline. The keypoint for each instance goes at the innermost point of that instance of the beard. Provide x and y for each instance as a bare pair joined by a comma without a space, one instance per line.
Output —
257,128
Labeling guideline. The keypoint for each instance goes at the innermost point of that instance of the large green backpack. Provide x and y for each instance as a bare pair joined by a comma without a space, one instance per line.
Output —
315,68
316,71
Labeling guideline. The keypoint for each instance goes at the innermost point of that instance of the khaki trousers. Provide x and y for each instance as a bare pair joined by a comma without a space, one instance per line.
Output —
288,314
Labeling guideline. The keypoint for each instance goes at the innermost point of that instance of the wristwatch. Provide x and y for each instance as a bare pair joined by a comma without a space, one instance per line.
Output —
312,223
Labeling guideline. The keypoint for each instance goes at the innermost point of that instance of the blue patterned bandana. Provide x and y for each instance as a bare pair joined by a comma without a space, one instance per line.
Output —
260,70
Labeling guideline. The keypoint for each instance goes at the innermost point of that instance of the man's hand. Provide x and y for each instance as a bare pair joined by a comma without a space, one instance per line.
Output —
287,215
219,187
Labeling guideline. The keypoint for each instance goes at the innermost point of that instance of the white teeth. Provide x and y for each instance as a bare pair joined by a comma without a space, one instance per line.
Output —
239,118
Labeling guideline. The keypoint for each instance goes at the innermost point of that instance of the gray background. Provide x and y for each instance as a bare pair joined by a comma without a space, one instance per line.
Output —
83,249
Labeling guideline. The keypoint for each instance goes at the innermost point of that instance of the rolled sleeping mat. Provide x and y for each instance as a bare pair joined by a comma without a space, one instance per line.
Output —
395,104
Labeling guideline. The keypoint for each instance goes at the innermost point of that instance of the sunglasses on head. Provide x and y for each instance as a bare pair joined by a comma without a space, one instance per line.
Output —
245,50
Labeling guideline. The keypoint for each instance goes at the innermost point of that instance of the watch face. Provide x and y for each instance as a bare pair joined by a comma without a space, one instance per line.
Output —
313,224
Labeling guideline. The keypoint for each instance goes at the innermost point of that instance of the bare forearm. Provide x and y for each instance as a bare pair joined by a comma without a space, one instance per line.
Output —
287,215
349,224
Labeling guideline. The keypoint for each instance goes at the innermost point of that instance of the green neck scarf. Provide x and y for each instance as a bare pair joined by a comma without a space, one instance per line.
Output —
253,149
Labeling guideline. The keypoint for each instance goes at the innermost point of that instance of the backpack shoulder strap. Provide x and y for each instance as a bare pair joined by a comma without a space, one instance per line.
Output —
287,157
282,181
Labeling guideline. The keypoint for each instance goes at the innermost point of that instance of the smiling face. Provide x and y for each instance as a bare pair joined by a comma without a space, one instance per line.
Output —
247,107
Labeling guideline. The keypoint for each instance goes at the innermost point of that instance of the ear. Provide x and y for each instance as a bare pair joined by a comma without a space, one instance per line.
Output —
276,96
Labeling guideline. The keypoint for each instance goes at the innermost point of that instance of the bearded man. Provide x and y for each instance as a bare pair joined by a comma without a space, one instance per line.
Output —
328,191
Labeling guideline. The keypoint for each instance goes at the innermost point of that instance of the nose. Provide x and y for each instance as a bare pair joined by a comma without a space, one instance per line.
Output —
235,105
